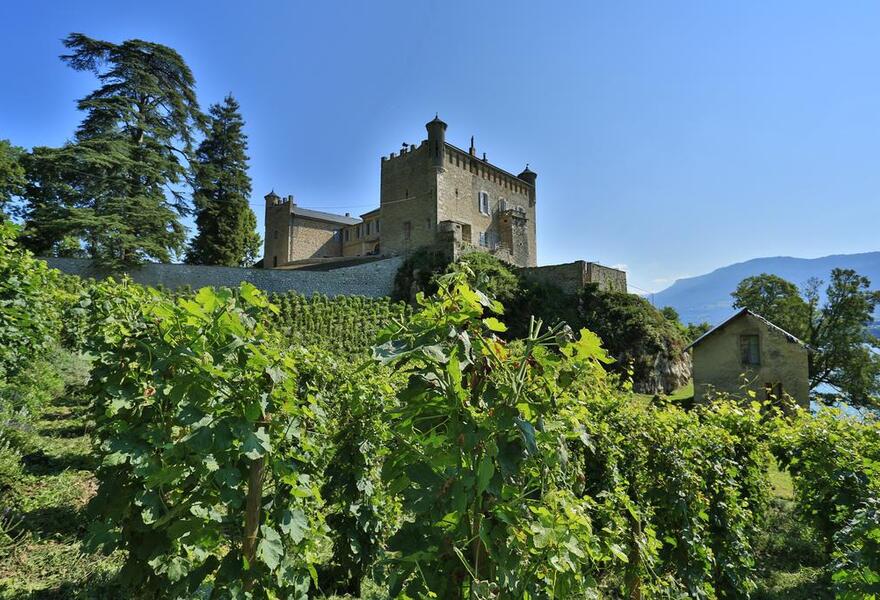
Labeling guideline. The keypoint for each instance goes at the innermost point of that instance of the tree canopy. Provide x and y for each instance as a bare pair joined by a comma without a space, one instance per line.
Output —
226,224
11,172
117,185
845,353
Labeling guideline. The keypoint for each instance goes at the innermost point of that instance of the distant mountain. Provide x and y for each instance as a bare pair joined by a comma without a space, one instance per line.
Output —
707,297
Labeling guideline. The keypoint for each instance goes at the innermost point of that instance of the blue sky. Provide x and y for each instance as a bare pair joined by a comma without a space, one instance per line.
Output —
670,137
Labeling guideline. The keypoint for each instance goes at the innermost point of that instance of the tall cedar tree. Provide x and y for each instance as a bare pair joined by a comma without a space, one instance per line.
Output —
844,352
116,187
226,224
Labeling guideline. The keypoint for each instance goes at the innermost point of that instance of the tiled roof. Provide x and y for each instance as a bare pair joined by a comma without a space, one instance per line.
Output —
745,311
323,216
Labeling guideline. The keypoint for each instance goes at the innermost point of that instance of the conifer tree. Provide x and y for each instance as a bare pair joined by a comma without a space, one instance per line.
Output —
226,224
122,174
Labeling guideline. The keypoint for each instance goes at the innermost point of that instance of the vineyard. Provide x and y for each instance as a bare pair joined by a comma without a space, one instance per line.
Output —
343,324
242,446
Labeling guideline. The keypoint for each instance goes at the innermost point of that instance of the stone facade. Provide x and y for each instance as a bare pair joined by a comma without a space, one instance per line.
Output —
294,233
571,277
747,352
374,279
422,187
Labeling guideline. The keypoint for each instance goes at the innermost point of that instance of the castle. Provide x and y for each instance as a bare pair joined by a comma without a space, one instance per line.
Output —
431,194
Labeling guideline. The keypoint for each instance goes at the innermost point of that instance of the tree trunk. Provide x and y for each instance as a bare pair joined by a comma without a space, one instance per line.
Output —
252,516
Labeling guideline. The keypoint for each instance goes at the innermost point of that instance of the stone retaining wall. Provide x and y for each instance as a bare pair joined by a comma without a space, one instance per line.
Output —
374,279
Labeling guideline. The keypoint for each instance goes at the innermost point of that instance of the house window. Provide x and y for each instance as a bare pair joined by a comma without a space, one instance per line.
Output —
369,226
407,230
484,202
377,225
347,235
358,232
483,239
750,352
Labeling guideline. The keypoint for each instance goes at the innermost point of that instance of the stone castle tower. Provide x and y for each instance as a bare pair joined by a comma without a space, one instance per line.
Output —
437,187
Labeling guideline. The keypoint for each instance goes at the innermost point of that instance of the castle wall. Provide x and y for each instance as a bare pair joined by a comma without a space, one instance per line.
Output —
374,279
276,246
459,185
362,239
311,238
572,277
609,280
408,195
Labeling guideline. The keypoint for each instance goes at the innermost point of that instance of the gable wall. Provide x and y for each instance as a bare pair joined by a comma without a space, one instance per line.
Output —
717,362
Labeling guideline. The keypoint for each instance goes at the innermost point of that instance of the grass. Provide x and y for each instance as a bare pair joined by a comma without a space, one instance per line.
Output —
49,502
683,396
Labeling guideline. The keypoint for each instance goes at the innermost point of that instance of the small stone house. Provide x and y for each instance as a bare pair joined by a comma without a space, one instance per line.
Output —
748,352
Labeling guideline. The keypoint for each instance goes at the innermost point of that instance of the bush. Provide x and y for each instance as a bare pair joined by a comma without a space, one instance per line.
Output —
30,320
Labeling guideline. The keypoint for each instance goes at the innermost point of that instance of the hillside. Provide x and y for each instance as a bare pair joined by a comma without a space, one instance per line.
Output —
707,297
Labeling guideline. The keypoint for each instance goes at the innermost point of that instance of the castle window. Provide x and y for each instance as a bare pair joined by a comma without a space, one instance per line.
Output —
407,230
483,199
274,261
428,223
502,205
275,234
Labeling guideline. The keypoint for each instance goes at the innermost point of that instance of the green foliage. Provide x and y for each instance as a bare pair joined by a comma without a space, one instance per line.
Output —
12,174
417,273
845,353
857,553
361,513
481,461
210,437
775,299
226,224
692,331
835,463
529,474
632,330
29,307
346,325
115,187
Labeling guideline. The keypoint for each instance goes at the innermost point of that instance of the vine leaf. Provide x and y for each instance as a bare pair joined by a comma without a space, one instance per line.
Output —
270,549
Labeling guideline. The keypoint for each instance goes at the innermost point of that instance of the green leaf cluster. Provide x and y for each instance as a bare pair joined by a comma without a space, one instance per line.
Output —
211,438
834,460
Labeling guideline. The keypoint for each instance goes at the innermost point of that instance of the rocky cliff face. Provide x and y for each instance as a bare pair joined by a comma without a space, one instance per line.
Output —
662,372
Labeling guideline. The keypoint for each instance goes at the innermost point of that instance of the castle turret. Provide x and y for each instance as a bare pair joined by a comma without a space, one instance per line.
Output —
531,178
436,141
272,198
528,176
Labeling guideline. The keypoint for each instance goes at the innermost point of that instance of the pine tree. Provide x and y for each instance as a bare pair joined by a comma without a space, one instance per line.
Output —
226,224
122,175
